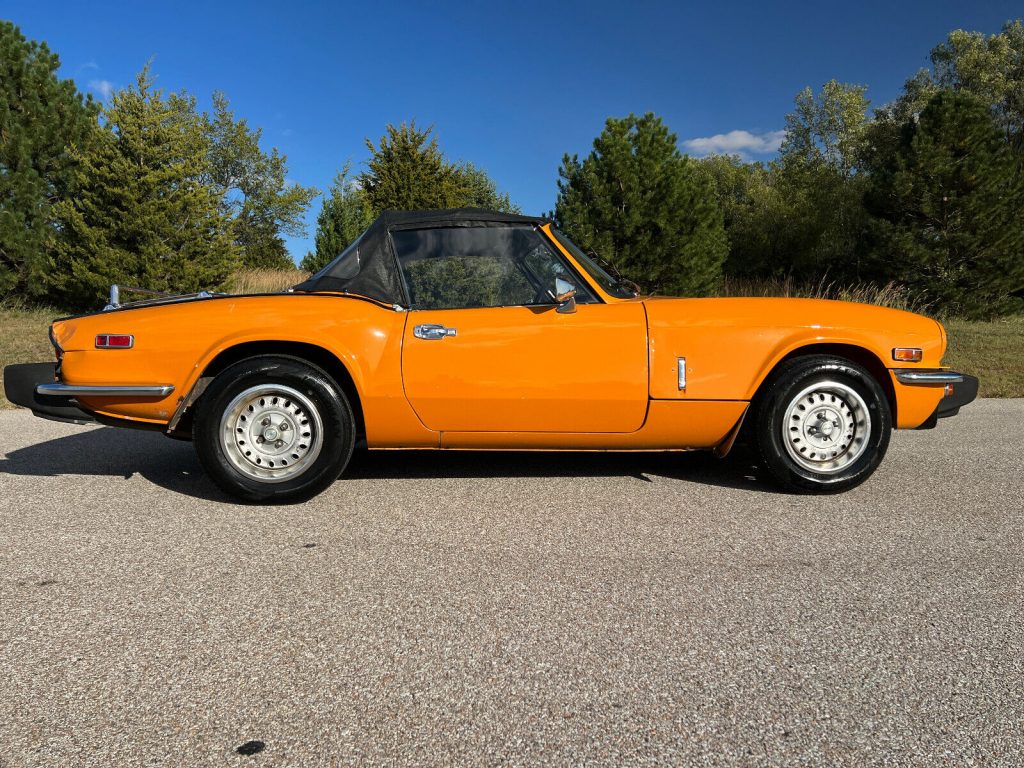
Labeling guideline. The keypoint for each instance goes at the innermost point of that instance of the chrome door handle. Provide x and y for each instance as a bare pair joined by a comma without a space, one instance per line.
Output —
432,331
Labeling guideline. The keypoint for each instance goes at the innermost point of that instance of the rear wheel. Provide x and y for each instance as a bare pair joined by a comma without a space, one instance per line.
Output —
822,424
274,429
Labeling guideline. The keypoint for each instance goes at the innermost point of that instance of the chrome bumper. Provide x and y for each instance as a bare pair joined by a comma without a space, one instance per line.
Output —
75,390
924,378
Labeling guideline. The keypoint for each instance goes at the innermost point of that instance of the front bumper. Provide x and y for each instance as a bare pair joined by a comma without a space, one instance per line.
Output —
21,384
961,389
964,392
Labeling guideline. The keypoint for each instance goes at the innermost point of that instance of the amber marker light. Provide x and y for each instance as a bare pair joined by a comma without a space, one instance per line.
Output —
907,355
114,341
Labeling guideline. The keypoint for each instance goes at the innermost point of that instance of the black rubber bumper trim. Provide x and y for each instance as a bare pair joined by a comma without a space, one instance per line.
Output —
20,383
963,393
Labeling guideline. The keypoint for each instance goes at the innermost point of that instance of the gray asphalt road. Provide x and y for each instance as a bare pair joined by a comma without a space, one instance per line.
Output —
512,609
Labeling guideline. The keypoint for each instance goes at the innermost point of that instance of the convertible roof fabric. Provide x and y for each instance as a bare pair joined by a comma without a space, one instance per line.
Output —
369,267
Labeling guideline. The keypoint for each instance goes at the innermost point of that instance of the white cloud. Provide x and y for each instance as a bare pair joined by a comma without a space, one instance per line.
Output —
741,143
103,87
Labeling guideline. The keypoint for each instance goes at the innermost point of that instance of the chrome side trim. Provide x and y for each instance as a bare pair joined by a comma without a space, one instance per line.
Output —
910,376
74,390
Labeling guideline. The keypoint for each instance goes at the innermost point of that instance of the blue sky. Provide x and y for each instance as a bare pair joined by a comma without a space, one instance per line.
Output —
510,86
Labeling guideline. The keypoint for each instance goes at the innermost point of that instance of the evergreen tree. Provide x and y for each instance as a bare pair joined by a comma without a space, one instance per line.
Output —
344,215
407,171
952,199
482,192
261,203
645,208
42,119
142,213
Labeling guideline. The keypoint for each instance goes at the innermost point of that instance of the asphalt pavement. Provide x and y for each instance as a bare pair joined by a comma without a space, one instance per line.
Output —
512,609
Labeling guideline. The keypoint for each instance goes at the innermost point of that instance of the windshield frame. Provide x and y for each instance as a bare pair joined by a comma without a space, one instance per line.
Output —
608,284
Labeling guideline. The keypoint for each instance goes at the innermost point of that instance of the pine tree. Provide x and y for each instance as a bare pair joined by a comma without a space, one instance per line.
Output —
42,119
407,171
142,213
344,215
645,208
952,199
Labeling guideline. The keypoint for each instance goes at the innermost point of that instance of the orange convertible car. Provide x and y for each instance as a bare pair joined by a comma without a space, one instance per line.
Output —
472,329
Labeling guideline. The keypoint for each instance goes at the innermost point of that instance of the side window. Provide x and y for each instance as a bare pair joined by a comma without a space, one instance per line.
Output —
472,267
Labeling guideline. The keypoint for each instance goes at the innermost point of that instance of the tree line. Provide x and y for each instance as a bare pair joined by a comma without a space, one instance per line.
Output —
147,189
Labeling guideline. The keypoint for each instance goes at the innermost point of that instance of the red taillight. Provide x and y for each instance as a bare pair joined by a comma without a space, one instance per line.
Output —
114,341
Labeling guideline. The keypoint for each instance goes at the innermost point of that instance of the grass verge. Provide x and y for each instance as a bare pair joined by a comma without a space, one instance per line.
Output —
24,338
991,350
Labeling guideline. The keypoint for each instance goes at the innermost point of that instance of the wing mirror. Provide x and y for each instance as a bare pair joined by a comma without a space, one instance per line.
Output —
564,296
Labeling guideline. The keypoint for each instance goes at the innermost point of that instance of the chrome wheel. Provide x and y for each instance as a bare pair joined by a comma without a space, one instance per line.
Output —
826,427
271,433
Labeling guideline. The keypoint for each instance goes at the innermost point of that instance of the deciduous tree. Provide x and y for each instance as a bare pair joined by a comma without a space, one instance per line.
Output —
257,196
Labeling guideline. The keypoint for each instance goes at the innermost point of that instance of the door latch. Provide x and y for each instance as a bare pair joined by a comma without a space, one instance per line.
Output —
431,331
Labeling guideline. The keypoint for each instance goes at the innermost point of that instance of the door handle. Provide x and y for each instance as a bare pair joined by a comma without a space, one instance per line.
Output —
432,331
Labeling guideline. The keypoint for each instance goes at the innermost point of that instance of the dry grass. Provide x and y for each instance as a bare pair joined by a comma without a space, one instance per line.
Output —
264,280
888,295
24,338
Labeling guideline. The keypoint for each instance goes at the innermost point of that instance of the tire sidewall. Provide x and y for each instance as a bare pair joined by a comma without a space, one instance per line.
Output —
772,412
335,414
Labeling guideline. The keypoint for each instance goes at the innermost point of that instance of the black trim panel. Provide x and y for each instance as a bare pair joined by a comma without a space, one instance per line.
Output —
963,393
20,383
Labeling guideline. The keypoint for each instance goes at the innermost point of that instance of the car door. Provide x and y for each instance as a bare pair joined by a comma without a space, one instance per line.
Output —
486,349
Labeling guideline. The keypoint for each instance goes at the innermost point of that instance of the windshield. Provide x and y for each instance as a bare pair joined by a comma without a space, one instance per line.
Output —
618,288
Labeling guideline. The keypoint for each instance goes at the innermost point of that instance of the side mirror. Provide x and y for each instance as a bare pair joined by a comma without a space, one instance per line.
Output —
564,296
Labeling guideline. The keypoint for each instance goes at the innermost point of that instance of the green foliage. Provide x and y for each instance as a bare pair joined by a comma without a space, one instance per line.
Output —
645,208
143,212
344,215
481,191
257,197
951,198
42,120
990,69
827,130
406,171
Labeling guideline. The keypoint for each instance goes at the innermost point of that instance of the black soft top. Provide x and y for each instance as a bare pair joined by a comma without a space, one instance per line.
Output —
369,267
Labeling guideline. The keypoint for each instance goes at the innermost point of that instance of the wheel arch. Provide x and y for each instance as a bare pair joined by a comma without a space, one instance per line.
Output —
330,363
852,352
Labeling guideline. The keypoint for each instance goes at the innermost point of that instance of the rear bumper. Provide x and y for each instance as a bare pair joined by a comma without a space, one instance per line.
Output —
21,384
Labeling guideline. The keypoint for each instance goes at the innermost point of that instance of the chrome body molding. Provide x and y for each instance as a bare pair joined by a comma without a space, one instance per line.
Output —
911,376
75,390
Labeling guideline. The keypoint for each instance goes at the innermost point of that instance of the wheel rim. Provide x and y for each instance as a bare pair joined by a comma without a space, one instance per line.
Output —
826,427
271,433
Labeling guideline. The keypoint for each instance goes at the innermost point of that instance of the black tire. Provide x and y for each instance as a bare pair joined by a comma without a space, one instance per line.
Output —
802,399
304,408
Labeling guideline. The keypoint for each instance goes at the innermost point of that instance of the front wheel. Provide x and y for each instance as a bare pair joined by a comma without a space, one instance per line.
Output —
273,429
822,424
